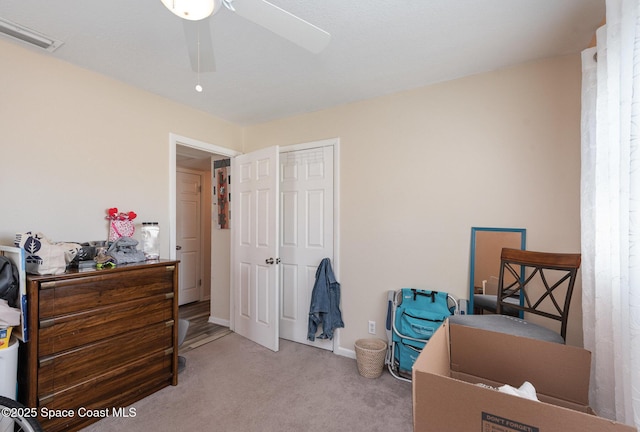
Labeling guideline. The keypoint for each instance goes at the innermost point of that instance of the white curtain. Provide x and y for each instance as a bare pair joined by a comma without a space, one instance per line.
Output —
610,212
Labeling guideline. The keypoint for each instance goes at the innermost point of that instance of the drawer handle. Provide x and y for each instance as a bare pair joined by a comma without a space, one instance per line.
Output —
43,400
50,284
169,295
45,361
169,323
168,351
170,268
45,323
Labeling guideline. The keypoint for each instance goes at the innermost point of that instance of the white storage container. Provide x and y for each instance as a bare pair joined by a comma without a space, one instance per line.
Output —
9,369
151,240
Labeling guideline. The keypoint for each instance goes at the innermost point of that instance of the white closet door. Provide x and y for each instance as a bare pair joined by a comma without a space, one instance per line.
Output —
306,220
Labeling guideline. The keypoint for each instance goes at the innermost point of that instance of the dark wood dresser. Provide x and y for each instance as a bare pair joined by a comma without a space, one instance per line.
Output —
99,340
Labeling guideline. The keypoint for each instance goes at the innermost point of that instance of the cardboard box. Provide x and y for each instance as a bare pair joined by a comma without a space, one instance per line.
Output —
446,396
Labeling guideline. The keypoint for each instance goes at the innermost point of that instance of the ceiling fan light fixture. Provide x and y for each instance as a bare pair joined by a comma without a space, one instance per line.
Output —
193,10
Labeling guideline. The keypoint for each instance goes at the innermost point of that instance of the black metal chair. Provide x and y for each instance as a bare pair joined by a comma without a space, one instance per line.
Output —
543,281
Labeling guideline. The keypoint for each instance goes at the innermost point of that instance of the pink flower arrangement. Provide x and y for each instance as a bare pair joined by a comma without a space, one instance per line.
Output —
114,215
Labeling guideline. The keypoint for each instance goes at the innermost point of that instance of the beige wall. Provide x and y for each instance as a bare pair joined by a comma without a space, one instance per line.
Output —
75,143
418,169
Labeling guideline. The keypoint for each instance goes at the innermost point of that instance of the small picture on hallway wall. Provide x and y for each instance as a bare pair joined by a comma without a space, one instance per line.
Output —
221,192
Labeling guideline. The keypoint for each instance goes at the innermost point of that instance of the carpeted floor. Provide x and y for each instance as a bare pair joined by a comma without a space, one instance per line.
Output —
235,385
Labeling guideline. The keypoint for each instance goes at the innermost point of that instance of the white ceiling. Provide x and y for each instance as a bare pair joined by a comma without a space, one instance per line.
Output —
377,47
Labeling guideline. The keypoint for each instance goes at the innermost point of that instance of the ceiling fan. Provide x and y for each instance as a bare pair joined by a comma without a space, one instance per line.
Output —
261,12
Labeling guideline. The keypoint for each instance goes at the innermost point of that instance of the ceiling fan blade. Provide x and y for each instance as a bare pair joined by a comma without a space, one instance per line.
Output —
283,24
198,32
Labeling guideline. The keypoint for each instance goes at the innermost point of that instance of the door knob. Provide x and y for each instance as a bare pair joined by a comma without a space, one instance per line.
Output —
269,261
178,247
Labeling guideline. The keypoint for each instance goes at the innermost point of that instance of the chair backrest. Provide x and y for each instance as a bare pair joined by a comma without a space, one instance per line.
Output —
543,280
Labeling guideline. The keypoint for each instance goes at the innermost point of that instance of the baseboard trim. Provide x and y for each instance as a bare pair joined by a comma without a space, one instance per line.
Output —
345,352
219,321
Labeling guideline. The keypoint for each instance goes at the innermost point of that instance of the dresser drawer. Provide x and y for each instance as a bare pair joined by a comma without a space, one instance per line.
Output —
79,365
63,332
114,389
60,297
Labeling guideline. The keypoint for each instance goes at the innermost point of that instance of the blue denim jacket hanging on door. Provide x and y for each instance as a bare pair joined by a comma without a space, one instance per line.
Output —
325,303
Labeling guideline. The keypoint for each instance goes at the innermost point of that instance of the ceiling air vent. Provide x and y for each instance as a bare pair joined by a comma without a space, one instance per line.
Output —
27,35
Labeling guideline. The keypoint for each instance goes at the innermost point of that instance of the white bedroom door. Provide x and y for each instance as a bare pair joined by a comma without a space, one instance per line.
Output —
254,247
306,217
188,192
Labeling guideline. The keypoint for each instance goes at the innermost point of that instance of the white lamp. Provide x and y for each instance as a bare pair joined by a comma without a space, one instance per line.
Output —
193,10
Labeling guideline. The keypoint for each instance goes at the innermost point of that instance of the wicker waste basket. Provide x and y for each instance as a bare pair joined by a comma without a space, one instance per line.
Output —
370,354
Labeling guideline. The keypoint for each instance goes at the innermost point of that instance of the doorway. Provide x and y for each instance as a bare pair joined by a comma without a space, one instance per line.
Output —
221,256
291,225
197,156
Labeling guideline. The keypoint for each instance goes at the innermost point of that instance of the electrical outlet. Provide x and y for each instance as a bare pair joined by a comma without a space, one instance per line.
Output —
372,327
